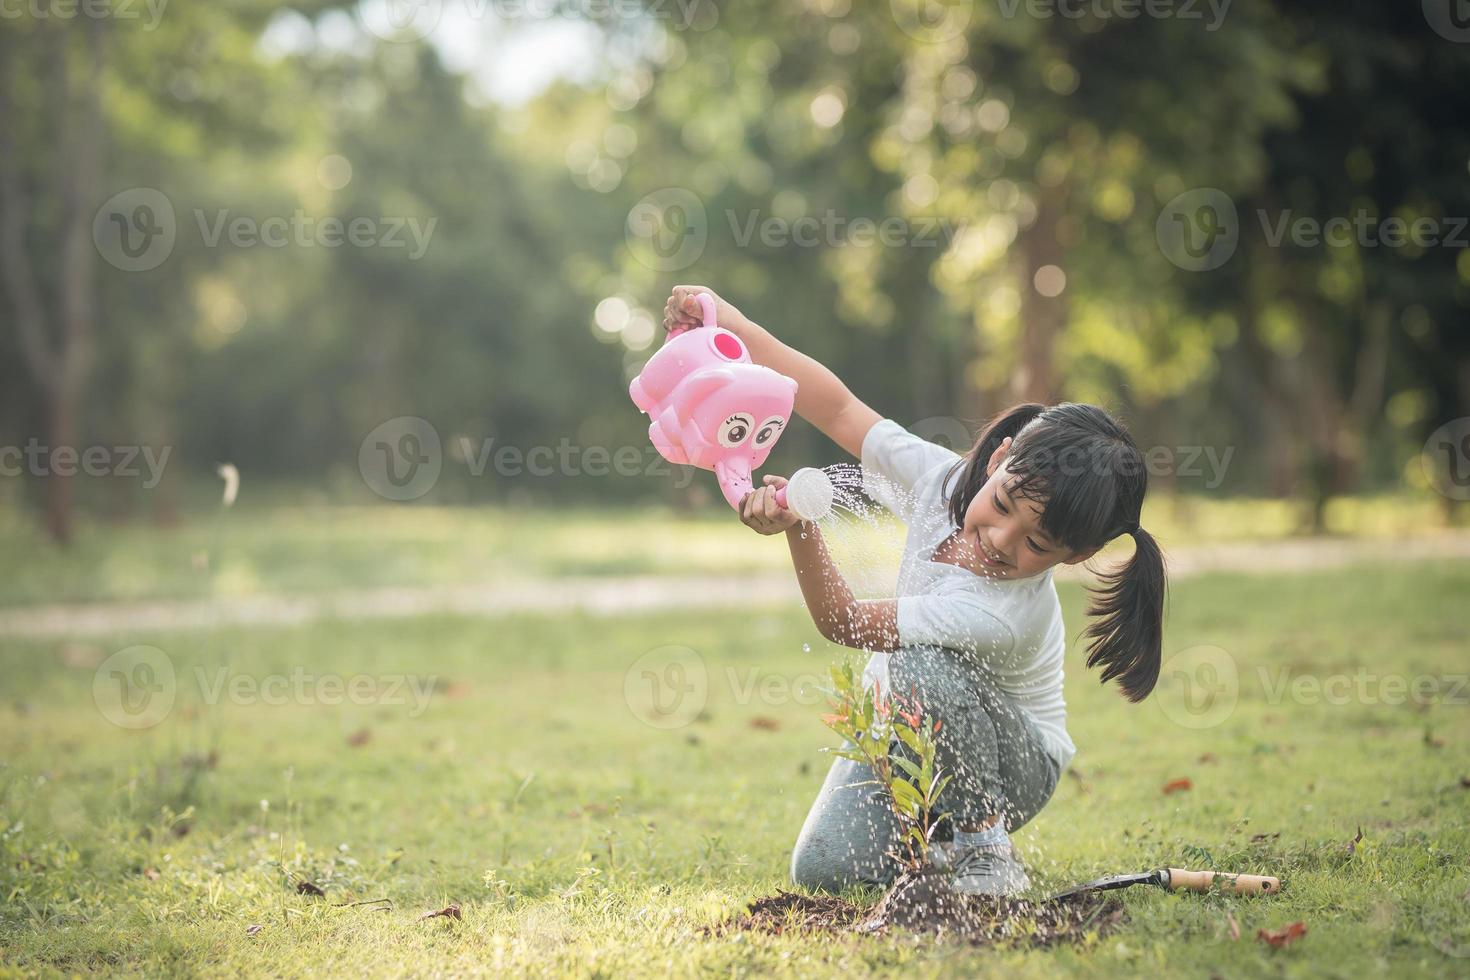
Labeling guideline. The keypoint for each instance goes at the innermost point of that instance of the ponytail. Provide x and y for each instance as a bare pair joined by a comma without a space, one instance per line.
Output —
1127,638
971,469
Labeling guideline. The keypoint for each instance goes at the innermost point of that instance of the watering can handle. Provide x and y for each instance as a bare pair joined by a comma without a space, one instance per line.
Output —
707,305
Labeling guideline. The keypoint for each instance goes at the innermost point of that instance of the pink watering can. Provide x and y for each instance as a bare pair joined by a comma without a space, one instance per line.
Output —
712,407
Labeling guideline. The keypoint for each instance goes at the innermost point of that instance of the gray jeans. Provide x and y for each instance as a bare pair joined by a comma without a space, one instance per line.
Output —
990,746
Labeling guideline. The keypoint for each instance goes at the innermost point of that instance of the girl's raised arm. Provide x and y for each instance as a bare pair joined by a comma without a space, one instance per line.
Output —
821,397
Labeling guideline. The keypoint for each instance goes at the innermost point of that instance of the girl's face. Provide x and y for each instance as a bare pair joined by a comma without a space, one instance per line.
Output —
1005,531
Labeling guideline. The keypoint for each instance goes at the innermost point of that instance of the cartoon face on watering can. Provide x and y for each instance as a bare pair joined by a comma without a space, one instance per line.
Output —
711,407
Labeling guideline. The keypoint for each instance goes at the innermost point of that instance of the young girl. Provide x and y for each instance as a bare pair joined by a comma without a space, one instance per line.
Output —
975,633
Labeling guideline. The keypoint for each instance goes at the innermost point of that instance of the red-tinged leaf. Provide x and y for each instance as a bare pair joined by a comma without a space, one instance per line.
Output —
1352,845
151,874
360,737
937,723
1280,937
763,724
1234,926
251,930
1178,785
447,912
304,887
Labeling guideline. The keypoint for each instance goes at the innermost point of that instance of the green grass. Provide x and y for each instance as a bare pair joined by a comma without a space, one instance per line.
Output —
260,548
617,841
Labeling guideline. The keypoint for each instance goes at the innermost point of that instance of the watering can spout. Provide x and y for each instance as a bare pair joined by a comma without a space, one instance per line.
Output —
733,475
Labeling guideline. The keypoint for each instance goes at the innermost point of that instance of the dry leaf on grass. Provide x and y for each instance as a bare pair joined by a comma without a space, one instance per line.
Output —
1178,785
763,724
253,929
447,912
1280,937
304,887
151,874
360,737
1352,845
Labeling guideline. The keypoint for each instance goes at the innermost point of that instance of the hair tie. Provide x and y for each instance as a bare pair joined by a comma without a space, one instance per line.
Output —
1132,529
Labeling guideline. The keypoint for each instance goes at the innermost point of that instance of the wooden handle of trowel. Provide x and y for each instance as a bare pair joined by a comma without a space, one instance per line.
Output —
1203,881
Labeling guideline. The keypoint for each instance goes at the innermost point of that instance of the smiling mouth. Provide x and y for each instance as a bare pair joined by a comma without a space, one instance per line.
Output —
987,555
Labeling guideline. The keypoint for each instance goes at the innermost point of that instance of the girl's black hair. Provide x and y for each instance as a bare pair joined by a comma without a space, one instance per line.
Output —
1084,470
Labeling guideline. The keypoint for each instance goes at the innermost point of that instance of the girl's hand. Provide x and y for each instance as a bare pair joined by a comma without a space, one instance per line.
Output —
683,312
760,511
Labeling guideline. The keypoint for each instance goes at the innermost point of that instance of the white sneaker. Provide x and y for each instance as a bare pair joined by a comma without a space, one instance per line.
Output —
993,871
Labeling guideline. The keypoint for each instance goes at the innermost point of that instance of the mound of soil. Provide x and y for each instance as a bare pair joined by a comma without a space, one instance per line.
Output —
919,902
789,912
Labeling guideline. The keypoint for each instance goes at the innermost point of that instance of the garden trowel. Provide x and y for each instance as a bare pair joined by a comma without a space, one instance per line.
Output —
1176,879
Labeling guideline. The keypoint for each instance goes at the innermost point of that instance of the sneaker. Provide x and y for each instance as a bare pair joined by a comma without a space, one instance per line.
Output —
993,871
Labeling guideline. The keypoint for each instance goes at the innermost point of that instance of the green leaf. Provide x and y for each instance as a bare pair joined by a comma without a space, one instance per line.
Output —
907,737
906,766
904,793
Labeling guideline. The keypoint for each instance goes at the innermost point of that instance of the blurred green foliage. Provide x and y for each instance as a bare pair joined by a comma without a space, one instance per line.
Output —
1029,159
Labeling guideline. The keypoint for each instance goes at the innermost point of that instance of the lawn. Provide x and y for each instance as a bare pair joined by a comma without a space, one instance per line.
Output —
530,790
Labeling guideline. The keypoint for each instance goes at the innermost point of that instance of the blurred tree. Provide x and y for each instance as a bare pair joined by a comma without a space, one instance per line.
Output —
52,100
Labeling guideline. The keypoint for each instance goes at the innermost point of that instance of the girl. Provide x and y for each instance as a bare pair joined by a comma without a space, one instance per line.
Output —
975,633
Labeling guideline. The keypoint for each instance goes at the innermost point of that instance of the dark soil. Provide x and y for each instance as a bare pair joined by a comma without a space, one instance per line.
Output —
920,903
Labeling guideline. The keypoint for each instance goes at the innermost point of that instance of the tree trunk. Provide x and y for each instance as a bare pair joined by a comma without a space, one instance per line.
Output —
60,366
1043,318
